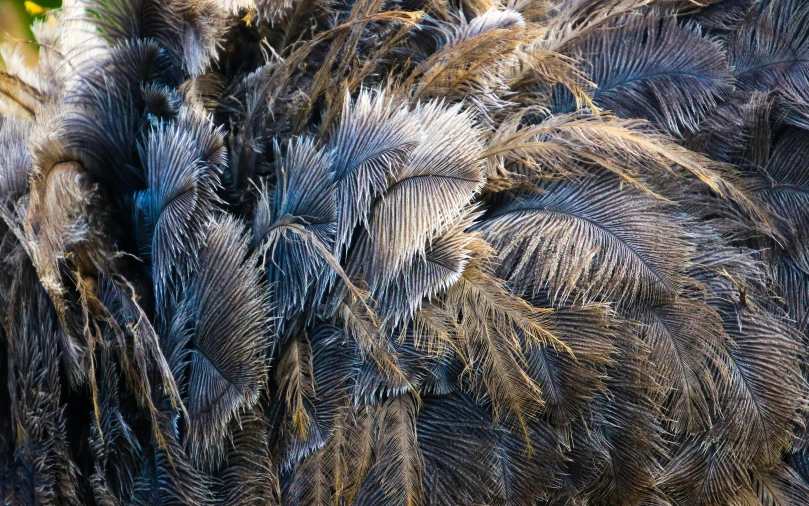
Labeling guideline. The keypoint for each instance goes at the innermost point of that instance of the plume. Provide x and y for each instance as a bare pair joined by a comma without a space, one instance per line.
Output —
411,253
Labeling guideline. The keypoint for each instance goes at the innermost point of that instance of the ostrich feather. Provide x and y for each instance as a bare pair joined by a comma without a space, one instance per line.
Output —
362,252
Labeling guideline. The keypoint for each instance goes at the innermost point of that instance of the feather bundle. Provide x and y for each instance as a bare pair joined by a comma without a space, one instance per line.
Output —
310,252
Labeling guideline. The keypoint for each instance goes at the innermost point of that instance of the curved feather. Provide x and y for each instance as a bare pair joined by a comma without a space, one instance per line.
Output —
187,29
701,473
650,66
571,382
178,203
116,450
794,289
250,476
371,142
227,366
168,477
374,381
780,485
316,389
767,390
618,459
491,323
15,165
108,111
590,239
426,197
687,343
771,45
786,191
520,475
295,228
41,467
426,276
453,429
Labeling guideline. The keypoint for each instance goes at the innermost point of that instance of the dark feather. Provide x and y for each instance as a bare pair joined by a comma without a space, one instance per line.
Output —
455,436
168,478
351,253
250,477
15,167
785,188
178,204
295,228
618,460
771,45
41,468
227,363
571,381
650,66
324,366
688,349
395,478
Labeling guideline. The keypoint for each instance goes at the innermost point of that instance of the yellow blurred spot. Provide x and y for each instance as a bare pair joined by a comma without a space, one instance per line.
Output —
34,9
248,18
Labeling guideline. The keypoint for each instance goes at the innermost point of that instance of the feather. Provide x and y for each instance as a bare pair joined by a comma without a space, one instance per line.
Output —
492,19
42,468
519,475
294,377
707,474
168,478
320,395
427,276
116,450
18,97
309,484
794,289
396,475
798,462
490,323
628,148
473,62
387,270
426,197
724,15
335,472
372,141
688,348
452,429
375,380
187,29
757,414
250,477
102,127
295,228
571,382
770,45
178,203
618,460
786,190
15,166
149,368
780,485
227,366
655,69
354,451
589,240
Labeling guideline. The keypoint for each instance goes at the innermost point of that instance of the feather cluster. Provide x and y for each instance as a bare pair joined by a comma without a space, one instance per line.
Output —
406,252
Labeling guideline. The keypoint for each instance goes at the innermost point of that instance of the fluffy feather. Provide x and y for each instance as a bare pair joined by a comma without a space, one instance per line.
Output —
377,253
